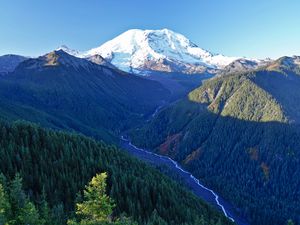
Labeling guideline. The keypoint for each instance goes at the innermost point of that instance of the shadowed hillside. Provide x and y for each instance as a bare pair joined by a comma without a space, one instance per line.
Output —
239,137
61,91
58,165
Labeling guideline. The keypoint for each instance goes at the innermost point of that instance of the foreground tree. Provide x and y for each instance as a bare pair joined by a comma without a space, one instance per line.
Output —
60,164
15,206
29,215
290,222
97,206
4,206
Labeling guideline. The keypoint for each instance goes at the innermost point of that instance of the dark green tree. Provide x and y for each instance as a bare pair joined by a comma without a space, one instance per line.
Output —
17,195
44,209
290,222
29,215
5,208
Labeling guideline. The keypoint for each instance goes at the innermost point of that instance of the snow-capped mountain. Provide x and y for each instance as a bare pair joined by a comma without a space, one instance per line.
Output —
144,51
69,51
159,50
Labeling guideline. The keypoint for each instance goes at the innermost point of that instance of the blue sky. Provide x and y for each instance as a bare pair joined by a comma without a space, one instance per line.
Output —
253,28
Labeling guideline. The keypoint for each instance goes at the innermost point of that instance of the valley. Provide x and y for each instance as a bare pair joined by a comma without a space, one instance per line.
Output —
221,134
190,181
238,135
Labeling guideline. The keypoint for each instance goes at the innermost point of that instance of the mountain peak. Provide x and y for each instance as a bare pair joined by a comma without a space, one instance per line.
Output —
290,60
162,50
286,63
54,59
9,62
68,50
143,51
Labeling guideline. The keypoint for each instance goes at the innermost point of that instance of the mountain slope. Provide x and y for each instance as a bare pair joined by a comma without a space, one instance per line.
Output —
9,62
59,165
73,93
243,65
158,50
97,59
240,134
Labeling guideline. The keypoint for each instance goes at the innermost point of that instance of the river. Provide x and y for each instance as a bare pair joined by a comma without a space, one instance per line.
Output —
190,181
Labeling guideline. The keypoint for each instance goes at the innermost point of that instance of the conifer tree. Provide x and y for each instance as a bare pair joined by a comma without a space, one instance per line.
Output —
29,215
290,222
5,208
97,205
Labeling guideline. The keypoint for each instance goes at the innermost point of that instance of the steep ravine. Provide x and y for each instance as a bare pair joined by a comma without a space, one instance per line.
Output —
189,180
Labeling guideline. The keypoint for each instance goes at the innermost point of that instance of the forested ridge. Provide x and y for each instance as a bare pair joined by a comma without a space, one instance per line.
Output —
54,168
61,91
240,135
